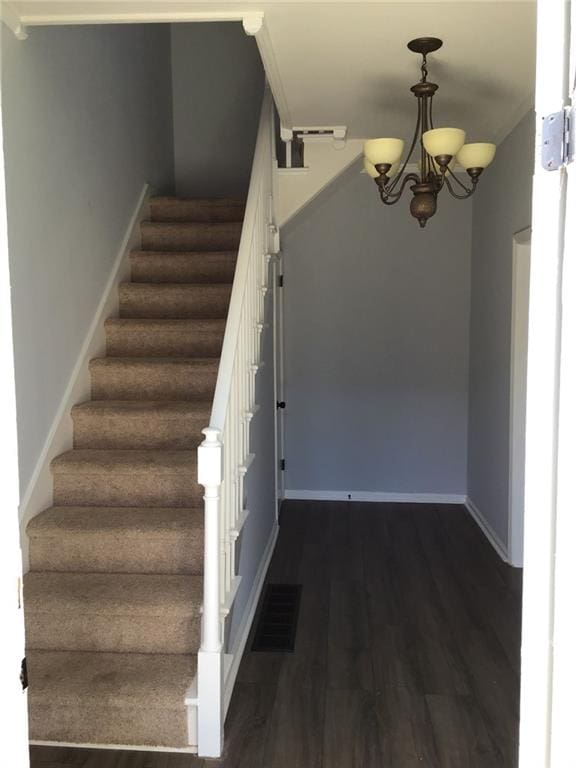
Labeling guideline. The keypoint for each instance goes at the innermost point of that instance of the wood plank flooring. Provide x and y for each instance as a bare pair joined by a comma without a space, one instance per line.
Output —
407,651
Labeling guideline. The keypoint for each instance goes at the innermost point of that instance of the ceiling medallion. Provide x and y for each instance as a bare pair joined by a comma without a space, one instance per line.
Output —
440,149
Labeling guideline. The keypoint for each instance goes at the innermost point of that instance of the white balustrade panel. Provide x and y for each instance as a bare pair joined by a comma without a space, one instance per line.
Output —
224,456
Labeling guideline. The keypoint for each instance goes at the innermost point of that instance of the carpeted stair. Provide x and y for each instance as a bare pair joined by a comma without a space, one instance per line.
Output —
114,592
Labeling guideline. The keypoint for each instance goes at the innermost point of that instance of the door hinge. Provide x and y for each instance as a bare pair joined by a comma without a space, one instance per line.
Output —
281,281
282,464
558,139
24,674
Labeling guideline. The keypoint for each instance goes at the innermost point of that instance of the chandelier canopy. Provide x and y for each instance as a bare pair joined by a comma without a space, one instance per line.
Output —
440,149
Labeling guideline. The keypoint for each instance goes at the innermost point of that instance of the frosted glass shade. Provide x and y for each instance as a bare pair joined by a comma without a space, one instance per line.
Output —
443,141
371,170
476,155
383,150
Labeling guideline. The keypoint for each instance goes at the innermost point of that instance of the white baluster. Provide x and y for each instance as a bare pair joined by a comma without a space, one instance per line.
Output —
210,656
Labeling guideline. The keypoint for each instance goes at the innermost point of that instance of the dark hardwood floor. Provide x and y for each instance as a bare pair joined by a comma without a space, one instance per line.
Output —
407,651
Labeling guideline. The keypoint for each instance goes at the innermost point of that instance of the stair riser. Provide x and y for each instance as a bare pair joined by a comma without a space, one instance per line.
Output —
75,723
117,553
161,382
200,302
128,342
94,430
127,490
199,237
181,268
195,210
74,631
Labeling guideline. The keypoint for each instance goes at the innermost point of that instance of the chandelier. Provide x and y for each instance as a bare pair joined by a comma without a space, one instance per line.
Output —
440,149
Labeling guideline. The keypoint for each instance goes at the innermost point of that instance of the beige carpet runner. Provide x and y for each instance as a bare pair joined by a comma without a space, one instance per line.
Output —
113,596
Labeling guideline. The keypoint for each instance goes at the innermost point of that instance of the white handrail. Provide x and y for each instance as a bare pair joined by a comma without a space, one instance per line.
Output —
259,183
224,456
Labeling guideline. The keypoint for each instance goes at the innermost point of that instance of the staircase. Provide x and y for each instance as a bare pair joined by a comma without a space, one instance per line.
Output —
115,589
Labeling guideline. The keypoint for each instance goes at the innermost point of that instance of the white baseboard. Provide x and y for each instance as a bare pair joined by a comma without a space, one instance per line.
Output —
487,530
38,494
377,496
249,612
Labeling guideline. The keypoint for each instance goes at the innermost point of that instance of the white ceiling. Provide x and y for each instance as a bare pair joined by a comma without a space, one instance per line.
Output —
346,63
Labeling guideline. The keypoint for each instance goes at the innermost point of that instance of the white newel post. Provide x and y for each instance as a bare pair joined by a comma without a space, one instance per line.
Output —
210,714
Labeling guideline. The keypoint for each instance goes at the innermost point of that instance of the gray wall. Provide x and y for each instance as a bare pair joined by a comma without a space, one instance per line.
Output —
87,121
502,207
260,494
377,330
218,84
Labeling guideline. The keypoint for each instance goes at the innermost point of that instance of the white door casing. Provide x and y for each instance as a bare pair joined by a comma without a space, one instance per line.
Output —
13,712
548,633
518,360
278,310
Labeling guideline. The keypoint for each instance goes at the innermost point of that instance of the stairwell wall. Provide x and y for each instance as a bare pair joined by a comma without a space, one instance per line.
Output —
218,84
87,122
376,347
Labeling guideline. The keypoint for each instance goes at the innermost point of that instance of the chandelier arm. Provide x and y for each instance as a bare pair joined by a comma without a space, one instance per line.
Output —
403,168
390,199
457,180
468,192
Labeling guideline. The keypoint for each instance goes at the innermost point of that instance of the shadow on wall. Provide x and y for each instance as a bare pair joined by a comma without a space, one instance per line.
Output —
217,84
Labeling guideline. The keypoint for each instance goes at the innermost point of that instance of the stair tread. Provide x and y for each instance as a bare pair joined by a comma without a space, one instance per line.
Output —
141,408
177,324
175,287
103,461
140,680
200,362
224,201
113,594
179,226
138,253
159,521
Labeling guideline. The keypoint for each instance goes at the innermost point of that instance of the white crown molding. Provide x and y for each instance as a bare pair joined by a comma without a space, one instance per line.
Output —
255,26
121,13
253,23
11,18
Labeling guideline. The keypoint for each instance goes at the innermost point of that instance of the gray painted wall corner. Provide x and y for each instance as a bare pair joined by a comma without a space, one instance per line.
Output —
502,207
218,84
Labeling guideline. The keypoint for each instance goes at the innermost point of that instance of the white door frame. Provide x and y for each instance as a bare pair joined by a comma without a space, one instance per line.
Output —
548,673
278,312
13,711
518,365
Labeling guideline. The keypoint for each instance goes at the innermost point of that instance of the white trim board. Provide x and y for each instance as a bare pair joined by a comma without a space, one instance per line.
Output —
377,496
518,383
247,619
487,530
38,494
